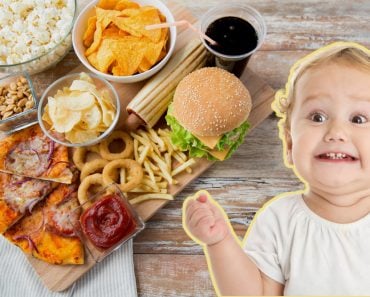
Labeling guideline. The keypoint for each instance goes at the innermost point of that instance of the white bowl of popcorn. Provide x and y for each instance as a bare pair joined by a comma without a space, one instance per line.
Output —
35,35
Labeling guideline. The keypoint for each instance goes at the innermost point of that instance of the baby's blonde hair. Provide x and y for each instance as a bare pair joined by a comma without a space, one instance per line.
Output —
348,53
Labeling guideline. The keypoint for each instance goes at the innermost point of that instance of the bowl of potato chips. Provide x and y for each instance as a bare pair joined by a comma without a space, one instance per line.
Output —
112,40
79,109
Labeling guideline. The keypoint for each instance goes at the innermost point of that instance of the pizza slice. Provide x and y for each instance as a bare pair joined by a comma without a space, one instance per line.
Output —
18,195
31,153
48,233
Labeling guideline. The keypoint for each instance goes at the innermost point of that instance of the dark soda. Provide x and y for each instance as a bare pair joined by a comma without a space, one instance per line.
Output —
234,36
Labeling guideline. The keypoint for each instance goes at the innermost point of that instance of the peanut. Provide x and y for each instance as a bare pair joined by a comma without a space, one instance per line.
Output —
15,98
30,104
7,114
13,86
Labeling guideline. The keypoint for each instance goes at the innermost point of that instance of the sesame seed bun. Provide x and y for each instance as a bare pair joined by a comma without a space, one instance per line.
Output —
211,101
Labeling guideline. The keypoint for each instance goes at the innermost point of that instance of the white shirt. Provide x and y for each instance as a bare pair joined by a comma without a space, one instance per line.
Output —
308,254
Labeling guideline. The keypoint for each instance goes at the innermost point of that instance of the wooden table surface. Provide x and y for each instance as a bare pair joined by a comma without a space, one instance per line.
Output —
167,262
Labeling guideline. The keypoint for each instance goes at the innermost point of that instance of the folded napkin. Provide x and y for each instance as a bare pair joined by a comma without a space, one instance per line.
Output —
114,276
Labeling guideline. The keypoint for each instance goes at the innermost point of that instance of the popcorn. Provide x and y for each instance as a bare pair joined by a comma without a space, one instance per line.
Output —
30,28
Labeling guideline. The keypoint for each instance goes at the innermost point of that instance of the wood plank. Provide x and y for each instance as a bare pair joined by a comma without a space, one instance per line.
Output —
170,241
172,275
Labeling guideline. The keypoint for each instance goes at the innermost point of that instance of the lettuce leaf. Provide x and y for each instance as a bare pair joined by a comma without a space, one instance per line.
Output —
188,142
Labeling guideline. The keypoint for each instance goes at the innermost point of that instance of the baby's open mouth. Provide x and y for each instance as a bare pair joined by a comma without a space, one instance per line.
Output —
337,156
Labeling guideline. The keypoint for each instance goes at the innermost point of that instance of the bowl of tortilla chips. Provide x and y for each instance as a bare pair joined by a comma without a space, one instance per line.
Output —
111,39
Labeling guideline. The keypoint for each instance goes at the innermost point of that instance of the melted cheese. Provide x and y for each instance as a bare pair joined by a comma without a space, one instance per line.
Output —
20,192
221,155
209,141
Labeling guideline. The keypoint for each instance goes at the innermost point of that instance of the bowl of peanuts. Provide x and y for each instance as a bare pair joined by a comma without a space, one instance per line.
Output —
18,104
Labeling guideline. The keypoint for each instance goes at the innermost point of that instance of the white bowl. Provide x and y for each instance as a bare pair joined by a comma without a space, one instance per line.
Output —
81,25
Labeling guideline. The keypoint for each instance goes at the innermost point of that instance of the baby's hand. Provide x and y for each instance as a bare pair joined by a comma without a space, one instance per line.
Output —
204,220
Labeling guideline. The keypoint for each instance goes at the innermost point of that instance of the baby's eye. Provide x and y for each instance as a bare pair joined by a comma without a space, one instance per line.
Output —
317,117
358,119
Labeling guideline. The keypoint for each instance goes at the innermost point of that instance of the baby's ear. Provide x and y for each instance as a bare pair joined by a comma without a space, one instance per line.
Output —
288,146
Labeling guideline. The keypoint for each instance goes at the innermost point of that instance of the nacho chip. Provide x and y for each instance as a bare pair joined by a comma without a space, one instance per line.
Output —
88,37
125,4
135,24
144,65
107,4
112,31
105,55
103,19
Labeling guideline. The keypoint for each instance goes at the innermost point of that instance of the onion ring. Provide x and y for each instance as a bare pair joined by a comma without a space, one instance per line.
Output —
94,148
135,171
83,189
126,153
92,167
79,155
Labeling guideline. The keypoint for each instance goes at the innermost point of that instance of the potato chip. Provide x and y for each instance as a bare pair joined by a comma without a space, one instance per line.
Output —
66,120
80,136
120,44
78,101
46,117
108,112
51,108
91,118
87,78
82,85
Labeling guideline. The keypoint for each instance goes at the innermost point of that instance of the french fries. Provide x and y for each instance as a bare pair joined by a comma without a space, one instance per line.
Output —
161,161
142,198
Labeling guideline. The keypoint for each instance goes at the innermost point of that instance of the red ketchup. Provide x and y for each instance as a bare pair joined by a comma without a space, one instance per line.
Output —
107,221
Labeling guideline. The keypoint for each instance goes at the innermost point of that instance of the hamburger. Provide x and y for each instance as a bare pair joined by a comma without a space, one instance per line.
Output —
208,115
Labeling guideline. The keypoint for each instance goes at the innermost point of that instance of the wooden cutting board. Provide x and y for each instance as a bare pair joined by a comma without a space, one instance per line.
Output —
59,278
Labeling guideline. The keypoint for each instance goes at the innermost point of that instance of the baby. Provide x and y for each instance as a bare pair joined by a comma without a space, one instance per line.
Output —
315,241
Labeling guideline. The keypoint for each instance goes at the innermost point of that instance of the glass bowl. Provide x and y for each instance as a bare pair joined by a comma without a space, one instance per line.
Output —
24,111
21,52
102,87
79,48
98,218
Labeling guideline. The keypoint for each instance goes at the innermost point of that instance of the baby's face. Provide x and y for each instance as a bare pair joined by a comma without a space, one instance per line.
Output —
330,129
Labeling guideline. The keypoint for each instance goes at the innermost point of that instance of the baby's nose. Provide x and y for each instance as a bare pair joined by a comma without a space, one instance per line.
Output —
336,132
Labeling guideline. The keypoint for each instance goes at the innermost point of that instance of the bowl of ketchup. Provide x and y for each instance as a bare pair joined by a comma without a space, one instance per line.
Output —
107,221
